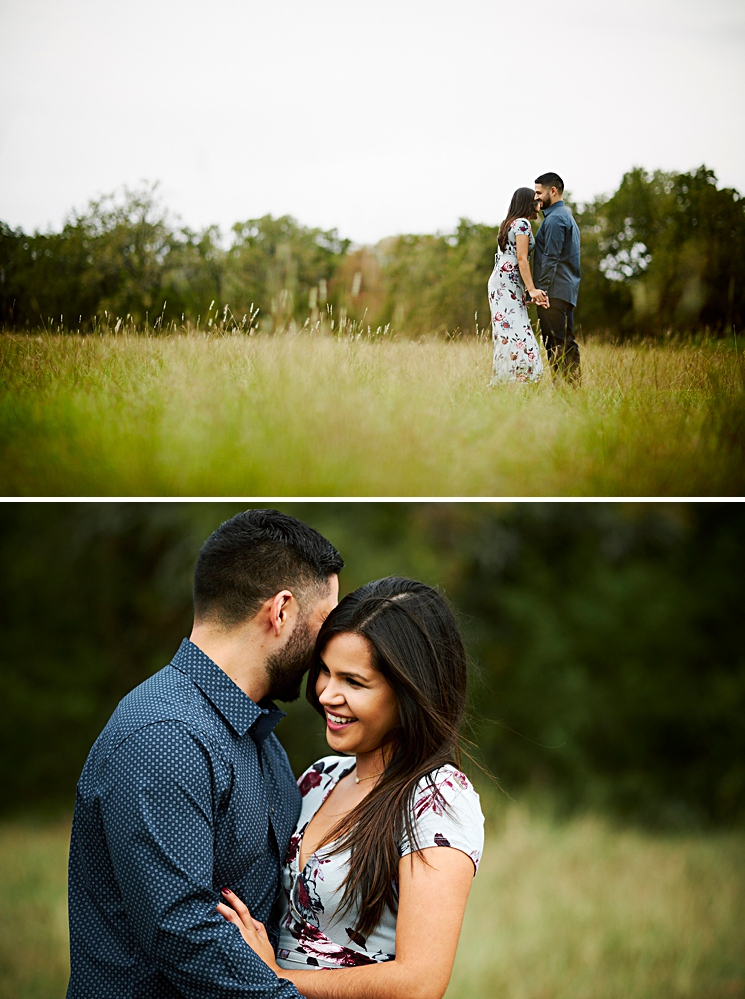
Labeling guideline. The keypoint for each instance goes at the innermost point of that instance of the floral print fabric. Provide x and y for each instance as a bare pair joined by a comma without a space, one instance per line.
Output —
517,357
446,813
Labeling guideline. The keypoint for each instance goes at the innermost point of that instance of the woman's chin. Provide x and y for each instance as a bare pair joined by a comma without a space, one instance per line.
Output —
336,740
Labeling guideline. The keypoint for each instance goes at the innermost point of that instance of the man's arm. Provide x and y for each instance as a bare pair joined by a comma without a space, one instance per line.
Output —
553,244
157,810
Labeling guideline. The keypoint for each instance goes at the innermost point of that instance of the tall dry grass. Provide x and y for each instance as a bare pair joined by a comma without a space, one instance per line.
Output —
583,911
312,415
34,960
575,910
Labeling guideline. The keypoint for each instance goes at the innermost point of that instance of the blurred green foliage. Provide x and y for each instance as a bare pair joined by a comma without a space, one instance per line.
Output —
126,258
665,252
609,666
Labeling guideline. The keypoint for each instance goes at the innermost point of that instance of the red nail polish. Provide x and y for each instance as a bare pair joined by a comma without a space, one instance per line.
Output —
226,891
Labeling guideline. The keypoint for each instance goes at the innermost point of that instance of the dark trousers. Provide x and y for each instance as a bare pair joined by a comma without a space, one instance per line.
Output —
557,328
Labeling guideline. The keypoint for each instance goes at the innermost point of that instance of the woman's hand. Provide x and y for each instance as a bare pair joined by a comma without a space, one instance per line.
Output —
252,931
539,296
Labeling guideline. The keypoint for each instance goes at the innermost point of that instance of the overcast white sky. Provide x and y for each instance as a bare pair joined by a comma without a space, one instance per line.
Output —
373,118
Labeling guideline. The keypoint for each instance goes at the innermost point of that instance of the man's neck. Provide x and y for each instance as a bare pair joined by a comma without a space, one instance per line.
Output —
238,653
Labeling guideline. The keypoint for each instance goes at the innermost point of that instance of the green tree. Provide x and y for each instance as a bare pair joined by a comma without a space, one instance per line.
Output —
438,283
666,251
283,268
121,257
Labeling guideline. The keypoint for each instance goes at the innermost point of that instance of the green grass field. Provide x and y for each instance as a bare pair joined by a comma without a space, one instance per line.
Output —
34,962
583,911
311,415
558,911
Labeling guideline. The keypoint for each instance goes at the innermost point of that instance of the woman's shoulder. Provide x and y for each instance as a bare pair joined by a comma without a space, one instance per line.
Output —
446,783
323,772
447,795
521,227
447,812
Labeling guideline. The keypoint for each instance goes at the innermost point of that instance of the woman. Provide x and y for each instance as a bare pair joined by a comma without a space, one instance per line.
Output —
390,833
516,354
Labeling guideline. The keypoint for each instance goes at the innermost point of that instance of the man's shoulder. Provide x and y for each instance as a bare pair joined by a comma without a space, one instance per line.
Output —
167,694
168,698
560,215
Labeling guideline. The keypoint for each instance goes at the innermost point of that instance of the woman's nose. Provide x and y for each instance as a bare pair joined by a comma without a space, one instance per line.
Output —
331,694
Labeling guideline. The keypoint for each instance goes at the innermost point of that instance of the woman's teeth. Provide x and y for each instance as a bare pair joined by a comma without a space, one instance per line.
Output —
338,720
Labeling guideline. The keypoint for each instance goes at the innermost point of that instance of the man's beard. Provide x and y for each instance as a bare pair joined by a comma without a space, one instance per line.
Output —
287,667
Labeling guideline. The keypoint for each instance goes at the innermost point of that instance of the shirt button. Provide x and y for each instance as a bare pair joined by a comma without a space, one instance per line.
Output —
272,809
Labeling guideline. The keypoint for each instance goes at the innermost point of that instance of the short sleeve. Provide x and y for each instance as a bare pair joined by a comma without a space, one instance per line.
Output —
521,227
447,812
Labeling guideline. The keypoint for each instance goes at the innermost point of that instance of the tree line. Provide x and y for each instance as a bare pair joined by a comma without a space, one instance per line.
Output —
665,252
608,669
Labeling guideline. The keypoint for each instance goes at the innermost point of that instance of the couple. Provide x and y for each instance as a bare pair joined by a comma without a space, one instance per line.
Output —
553,287
200,868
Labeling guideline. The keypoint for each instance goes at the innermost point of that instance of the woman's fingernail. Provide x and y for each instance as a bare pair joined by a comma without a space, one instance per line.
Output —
226,891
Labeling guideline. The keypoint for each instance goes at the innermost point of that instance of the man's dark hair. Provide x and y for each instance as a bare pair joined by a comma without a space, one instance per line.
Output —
549,180
253,556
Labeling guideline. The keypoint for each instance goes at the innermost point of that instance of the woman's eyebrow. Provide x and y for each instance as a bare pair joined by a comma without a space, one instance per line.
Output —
345,672
355,676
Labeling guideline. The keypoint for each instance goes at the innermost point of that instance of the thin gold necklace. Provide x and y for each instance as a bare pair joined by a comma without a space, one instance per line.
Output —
358,779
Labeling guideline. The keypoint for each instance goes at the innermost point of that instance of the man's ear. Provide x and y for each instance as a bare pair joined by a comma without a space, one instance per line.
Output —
281,610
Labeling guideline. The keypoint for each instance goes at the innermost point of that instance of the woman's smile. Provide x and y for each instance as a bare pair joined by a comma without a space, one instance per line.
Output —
338,722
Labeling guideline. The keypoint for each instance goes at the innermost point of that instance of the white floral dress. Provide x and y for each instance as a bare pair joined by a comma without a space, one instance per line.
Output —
517,357
311,935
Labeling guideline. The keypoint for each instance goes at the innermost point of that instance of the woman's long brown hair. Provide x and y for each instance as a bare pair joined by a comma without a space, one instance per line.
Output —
415,643
522,206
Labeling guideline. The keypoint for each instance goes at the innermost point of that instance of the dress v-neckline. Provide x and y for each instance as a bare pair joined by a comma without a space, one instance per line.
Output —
300,866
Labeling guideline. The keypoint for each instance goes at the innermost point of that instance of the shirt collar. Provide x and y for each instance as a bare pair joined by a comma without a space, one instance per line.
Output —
556,204
237,708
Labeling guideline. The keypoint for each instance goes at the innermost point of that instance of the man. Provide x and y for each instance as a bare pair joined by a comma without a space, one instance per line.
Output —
187,790
556,271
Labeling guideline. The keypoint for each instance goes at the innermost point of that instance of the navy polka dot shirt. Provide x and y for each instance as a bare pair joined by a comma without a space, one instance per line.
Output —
186,790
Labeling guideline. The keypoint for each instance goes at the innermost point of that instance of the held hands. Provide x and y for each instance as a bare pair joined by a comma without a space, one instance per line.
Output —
539,297
252,931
